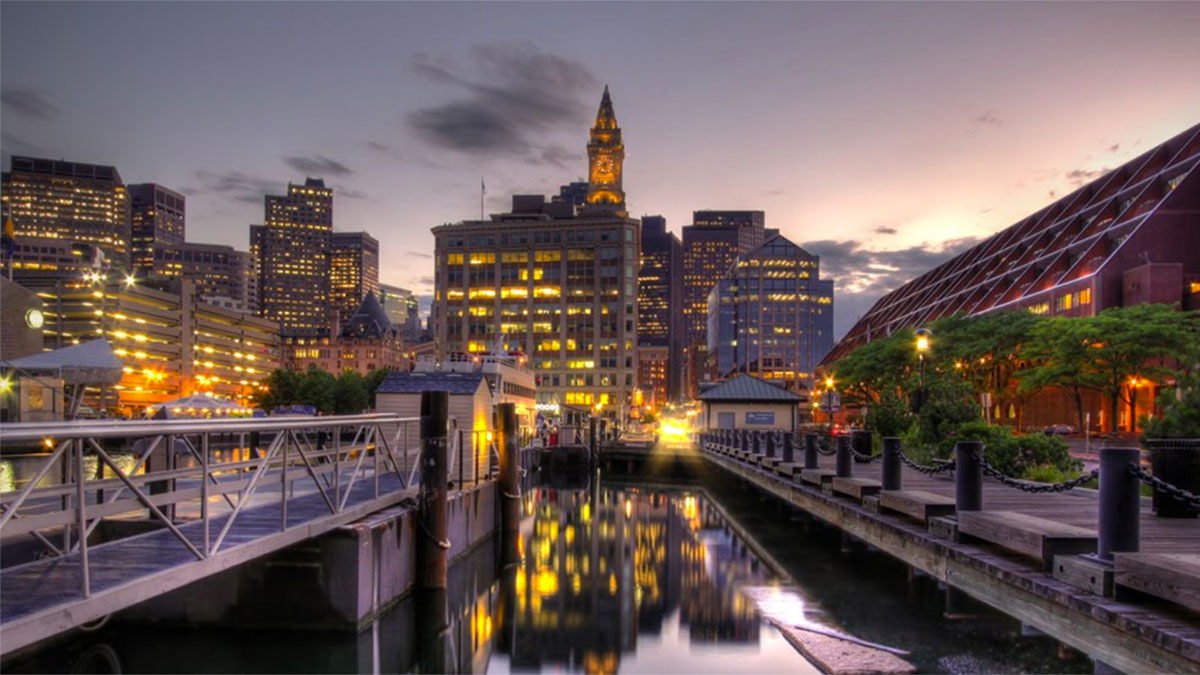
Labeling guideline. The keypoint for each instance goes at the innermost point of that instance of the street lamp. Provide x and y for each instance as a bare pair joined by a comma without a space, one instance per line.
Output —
829,397
923,336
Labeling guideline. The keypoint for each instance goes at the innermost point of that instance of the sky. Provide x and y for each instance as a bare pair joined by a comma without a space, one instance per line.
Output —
882,137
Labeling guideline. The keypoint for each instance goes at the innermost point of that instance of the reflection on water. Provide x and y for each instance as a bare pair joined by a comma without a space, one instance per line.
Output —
611,578
634,579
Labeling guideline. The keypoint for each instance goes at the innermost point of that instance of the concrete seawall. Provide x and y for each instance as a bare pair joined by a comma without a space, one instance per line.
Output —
340,580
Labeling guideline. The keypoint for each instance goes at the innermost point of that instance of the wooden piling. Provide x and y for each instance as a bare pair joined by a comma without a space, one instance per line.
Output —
432,517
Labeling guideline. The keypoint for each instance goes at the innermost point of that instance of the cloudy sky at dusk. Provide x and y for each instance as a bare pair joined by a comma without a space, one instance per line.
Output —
883,137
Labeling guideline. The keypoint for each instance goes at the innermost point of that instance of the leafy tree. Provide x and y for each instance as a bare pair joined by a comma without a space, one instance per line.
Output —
948,405
1138,342
863,375
890,415
349,394
1180,408
1058,352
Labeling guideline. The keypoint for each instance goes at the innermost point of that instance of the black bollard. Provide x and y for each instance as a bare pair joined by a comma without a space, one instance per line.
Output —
845,461
789,447
811,460
861,442
891,463
432,515
593,442
1120,502
968,476
771,443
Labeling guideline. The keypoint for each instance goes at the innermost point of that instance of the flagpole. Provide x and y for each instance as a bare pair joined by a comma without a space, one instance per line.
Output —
482,192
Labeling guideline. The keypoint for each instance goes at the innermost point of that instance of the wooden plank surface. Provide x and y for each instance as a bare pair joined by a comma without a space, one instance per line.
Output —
1171,576
919,504
856,487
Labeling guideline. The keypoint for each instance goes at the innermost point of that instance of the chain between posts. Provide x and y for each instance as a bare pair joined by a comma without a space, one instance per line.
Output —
928,470
864,459
1177,493
1036,488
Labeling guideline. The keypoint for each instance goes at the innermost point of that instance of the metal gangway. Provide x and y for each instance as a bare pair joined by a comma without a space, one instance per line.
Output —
221,492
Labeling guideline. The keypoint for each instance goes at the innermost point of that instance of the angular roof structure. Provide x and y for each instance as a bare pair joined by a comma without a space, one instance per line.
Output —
369,320
417,382
1141,212
89,363
748,388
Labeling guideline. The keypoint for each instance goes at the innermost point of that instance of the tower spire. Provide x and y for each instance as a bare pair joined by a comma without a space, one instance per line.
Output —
606,154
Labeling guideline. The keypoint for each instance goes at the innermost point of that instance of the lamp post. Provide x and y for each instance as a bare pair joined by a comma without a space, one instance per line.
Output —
923,336
829,397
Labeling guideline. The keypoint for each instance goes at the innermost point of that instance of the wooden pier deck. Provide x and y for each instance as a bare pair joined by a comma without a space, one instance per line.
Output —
42,598
1146,635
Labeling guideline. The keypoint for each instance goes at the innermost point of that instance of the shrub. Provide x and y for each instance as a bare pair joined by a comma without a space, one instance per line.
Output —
890,416
1012,454
1180,416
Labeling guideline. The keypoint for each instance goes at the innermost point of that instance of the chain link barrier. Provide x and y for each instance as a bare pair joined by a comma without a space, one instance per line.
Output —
928,470
1177,493
864,459
1035,488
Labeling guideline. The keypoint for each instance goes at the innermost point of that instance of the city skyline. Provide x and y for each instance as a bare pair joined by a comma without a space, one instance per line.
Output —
882,138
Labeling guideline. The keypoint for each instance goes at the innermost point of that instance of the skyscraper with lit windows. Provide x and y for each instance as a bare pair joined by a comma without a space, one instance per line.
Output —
353,270
292,247
660,301
555,284
771,316
710,245
56,202
157,216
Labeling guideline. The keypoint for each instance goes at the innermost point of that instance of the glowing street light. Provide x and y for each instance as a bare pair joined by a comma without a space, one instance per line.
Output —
923,336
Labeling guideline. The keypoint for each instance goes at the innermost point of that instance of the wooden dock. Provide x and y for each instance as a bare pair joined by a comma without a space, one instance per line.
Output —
1142,635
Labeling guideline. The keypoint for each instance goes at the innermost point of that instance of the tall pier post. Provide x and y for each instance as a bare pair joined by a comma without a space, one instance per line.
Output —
891,463
845,461
510,487
968,475
789,447
811,461
1120,502
432,526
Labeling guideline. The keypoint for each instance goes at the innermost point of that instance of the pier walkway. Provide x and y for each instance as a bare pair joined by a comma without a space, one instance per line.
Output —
1132,635
301,478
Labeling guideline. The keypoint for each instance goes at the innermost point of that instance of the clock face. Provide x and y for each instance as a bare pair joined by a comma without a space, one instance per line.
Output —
604,165
34,318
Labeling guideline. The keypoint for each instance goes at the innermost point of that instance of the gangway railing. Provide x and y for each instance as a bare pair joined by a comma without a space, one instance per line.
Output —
337,453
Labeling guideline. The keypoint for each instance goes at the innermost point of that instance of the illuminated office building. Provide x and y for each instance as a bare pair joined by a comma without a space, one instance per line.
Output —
223,275
170,343
654,374
293,246
558,286
771,316
660,304
710,245
353,270
157,216
72,202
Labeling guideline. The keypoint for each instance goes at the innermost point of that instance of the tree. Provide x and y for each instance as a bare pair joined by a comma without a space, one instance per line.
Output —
373,380
316,389
349,394
986,350
1057,354
1136,343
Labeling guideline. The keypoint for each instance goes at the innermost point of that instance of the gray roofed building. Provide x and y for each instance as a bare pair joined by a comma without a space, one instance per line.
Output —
748,388
416,382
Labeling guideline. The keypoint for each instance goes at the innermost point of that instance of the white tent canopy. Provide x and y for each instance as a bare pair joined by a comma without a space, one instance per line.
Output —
199,405
91,363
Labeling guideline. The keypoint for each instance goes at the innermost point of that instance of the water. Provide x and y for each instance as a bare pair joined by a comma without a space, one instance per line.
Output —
615,577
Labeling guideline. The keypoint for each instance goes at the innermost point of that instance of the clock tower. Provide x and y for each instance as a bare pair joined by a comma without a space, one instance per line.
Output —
606,154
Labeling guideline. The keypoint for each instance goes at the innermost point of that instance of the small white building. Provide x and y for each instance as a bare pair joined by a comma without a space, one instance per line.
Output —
747,402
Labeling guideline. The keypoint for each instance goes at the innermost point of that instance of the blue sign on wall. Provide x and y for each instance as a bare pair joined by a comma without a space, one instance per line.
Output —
760,418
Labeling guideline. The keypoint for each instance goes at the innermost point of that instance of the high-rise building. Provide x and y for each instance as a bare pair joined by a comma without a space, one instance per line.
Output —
157,216
710,245
223,275
353,270
771,316
560,287
403,309
293,245
660,302
654,364
73,202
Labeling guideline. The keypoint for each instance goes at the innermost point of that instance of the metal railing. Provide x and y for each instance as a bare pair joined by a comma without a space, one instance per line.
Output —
172,475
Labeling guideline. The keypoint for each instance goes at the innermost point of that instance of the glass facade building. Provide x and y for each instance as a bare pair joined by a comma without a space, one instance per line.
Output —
157,216
771,316
660,304
353,270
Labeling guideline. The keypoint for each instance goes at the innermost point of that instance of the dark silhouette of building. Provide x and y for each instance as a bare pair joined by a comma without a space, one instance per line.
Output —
157,216
660,304
292,256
